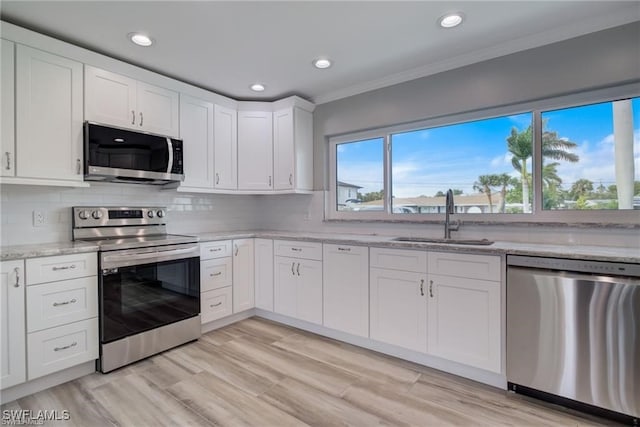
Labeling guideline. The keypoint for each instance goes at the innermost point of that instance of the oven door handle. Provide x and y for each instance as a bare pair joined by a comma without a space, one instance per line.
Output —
165,255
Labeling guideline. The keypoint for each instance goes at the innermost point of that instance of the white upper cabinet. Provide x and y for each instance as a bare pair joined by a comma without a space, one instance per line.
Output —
225,148
48,116
293,149
7,96
255,150
120,101
196,124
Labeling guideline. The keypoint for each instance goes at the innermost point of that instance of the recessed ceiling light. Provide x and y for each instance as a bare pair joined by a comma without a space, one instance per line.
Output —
140,39
451,20
257,87
322,63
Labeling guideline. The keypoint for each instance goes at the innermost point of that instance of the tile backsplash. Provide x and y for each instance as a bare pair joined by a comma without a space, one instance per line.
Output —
195,213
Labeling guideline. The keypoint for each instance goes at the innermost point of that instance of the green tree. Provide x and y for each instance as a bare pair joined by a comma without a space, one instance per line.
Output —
505,181
372,196
520,145
484,185
581,189
552,194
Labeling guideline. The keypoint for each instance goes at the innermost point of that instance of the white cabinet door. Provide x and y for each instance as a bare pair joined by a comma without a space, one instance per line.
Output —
346,288
399,308
293,149
48,115
110,98
243,275
225,157
12,324
196,125
7,107
283,149
464,321
309,290
264,273
285,286
157,109
255,150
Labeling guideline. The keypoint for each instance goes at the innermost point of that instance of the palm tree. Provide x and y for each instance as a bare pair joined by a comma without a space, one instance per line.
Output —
520,145
483,185
504,180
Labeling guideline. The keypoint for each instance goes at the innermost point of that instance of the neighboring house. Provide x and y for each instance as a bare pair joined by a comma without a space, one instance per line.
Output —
346,191
472,203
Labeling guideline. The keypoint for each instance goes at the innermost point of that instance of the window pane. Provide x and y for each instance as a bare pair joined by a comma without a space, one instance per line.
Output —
591,156
485,162
360,175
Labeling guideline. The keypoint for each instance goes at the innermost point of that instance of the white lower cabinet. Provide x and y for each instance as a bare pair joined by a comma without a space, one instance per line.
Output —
345,276
216,304
12,324
399,308
216,273
464,309
243,275
298,282
264,273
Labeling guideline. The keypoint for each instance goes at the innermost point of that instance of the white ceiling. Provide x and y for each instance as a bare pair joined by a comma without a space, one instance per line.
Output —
226,46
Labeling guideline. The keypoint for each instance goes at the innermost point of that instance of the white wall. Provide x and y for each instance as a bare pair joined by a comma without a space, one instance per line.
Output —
187,213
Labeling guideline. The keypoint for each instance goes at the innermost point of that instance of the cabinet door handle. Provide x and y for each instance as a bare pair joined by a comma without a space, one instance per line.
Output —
141,119
216,274
217,178
73,344
290,179
293,264
17,272
8,155
57,304
269,180
78,166
216,305
431,288
298,269
236,246
344,249
133,117
66,267
421,287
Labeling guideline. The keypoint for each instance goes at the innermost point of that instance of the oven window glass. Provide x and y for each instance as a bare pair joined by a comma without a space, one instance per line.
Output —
139,298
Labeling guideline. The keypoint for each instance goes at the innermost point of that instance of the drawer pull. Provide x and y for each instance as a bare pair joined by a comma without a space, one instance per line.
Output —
344,249
296,249
66,267
73,344
57,304
215,250
215,274
216,305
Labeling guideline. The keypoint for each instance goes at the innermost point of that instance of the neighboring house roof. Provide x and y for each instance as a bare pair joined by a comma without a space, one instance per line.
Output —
346,184
460,200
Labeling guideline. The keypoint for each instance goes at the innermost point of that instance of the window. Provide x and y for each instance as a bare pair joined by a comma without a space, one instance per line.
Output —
517,166
591,157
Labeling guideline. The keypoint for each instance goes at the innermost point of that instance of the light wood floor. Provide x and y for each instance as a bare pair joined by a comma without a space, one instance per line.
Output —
261,373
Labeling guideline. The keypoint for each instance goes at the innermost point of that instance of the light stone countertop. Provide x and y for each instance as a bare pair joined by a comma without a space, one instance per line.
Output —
599,253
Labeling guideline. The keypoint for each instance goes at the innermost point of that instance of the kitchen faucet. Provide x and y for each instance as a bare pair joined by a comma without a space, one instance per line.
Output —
450,209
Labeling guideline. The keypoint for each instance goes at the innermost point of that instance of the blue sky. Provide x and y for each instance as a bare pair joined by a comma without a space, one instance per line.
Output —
430,160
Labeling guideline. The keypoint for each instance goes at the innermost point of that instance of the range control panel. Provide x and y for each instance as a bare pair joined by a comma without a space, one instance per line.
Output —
95,216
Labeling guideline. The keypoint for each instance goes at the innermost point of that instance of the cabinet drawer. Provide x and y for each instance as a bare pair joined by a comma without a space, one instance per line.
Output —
483,267
216,304
219,249
294,249
398,259
54,268
59,303
54,349
216,273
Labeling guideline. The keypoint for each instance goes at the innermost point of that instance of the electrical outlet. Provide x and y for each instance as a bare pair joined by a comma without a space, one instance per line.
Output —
38,219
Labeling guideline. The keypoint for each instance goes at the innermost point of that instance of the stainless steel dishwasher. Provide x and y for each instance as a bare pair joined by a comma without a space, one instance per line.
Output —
573,333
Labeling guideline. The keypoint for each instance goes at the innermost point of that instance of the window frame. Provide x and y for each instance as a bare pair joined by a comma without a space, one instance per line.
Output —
537,215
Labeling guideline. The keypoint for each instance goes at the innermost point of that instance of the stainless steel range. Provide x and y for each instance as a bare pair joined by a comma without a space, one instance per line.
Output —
149,282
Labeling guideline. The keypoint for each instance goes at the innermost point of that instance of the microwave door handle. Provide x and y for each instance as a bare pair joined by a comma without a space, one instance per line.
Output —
170,148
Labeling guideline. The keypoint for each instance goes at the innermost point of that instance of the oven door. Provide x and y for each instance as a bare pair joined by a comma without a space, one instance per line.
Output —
142,289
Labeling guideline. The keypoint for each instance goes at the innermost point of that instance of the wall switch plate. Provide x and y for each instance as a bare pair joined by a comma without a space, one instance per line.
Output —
39,219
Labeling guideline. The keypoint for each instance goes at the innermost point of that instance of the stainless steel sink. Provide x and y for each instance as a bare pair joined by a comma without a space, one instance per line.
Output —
483,242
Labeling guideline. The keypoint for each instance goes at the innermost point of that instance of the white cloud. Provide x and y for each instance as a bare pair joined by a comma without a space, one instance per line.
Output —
502,160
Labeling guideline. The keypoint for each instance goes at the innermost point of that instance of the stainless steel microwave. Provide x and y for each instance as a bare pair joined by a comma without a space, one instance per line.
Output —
120,155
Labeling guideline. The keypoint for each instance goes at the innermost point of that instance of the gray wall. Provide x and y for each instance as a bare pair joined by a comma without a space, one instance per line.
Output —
597,60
